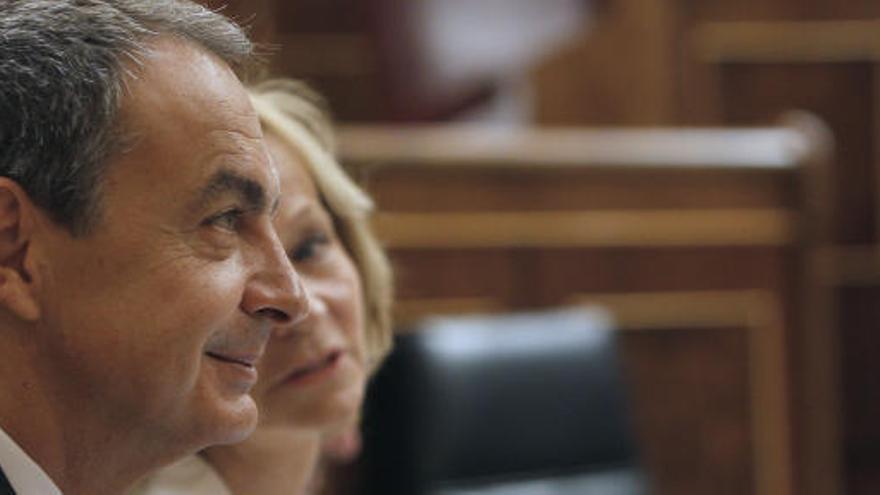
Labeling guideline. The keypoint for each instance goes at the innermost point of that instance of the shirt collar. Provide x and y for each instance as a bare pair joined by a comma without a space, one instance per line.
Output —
25,475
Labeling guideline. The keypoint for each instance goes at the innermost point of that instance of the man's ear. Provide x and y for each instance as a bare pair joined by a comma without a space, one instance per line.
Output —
17,212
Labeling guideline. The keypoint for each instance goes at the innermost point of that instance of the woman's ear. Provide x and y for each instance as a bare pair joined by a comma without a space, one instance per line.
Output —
17,294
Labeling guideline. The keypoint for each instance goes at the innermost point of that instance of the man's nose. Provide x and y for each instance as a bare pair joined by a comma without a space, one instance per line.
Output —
277,293
318,310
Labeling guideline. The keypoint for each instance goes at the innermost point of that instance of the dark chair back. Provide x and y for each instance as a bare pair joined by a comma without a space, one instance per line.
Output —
514,404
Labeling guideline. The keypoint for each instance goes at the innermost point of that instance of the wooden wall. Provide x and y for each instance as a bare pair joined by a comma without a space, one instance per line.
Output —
742,63
693,238
257,16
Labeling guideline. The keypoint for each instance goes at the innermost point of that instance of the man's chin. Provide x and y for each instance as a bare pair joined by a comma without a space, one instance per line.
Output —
236,421
220,422
227,411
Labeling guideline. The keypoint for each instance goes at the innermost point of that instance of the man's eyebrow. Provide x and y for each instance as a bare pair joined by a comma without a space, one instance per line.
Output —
224,182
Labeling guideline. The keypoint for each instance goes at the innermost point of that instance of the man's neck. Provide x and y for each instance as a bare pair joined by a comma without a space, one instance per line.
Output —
72,444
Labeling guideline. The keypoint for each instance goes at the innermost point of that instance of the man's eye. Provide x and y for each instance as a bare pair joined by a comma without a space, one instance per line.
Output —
227,220
310,248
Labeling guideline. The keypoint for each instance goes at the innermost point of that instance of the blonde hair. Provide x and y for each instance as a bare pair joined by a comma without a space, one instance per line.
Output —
296,114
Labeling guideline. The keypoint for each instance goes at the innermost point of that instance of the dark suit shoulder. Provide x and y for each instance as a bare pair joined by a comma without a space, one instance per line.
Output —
5,487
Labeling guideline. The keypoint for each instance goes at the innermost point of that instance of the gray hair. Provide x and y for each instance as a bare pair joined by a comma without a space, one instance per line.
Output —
63,70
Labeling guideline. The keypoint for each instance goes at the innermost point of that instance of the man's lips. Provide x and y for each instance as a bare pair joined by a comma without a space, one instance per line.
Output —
247,361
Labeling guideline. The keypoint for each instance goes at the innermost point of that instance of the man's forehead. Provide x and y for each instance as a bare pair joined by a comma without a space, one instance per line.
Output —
177,77
192,118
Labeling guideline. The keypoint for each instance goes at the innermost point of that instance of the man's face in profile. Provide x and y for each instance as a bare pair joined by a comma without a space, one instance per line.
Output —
162,309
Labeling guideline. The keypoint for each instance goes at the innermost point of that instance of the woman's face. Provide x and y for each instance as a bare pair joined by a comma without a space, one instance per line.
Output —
313,376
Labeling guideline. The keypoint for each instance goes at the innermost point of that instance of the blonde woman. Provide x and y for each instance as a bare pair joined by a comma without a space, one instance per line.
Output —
312,377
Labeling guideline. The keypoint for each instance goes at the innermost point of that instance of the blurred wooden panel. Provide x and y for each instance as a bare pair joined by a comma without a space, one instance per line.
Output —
636,65
860,344
633,42
635,198
328,55
826,68
744,63
787,42
722,10
409,311
565,271
829,68
736,384
450,169
702,440
331,45
448,146
257,16
458,273
547,276
499,190
323,16
488,220
627,228
854,281
852,266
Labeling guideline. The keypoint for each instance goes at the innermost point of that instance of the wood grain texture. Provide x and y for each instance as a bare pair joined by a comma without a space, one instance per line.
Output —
630,228
755,315
530,219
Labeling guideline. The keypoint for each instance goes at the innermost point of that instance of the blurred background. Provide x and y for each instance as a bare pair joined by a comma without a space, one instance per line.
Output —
705,171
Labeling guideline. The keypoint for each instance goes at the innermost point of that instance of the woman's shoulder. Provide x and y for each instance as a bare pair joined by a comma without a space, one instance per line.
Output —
190,476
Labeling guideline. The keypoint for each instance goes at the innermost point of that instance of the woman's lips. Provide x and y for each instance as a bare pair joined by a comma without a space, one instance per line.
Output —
316,370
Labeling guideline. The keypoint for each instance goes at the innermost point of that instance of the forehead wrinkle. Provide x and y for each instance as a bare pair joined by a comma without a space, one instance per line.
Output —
225,181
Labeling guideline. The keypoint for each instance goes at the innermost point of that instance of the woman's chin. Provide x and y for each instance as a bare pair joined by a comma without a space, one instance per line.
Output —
340,413
333,412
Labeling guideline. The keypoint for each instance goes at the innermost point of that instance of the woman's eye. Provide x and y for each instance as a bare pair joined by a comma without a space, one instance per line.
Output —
309,248
227,220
